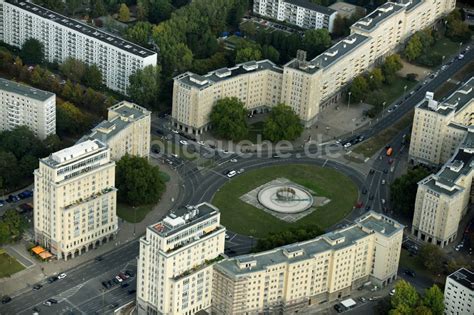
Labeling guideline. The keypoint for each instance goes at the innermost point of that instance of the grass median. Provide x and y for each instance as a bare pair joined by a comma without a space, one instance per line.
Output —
241,217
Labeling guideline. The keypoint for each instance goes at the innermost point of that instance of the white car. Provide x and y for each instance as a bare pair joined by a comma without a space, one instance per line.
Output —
347,145
240,171
231,174
62,276
174,131
392,292
183,142
233,160
118,279
201,142
383,181
227,236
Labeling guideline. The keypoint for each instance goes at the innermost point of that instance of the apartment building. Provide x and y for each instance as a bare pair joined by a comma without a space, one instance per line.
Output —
308,86
302,13
442,199
439,127
459,293
175,263
64,37
21,105
291,278
347,10
126,131
75,199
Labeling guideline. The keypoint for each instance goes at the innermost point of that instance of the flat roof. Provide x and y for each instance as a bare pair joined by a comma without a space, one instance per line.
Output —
183,218
410,4
82,28
464,277
203,81
73,153
338,50
311,6
24,90
307,249
383,12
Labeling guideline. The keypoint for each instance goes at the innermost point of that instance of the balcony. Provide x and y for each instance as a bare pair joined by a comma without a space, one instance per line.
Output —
196,268
92,197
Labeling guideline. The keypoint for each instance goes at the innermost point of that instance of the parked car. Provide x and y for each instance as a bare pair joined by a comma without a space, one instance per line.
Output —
99,258
106,284
124,285
240,171
392,292
52,279
123,276
231,174
130,273
6,299
339,308
118,279
410,273
233,160
62,276
132,291
183,142
37,287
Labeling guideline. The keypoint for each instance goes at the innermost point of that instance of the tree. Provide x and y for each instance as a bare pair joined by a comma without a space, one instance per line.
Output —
9,172
228,119
282,124
456,29
160,10
414,48
97,8
92,77
269,52
247,54
249,29
32,52
316,41
359,88
138,181
14,221
5,234
21,141
403,190
139,33
422,310
376,78
339,26
73,5
392,64
434,300
124,13
432,258
405,296
141,11
144,86
70,120
73,69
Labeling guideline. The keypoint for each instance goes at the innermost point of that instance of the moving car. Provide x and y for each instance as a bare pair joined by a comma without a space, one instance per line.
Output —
231,174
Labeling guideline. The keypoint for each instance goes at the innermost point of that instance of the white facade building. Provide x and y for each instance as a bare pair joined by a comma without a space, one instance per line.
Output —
64,37
21,105
75,199
302,13
175,263
459,293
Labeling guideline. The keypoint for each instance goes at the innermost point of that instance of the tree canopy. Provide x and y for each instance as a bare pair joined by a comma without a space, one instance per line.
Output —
406,301
403,190
138,182
228,119
145,86
11,226
456,28
124,13
282,124
32,52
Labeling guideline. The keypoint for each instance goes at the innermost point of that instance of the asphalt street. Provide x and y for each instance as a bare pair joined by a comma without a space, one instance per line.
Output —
81,292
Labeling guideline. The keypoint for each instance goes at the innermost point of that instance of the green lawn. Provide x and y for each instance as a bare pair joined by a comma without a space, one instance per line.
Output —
371,146
395,90
445,47
127,212
8,265
243,218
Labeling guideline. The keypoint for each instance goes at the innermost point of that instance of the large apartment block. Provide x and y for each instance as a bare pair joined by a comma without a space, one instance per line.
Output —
64,37
302,13
291,278
126,130
443,135
75,199
306,86
459,293
21,105
439,127
176,259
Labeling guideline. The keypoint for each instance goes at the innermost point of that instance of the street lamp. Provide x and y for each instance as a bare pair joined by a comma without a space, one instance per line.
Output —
404,90
349,100
383,107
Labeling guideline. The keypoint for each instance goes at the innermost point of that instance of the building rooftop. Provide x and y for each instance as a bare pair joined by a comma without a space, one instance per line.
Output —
73,153
83,28
203,81
383,12
183,218
107,129
338,50
409,4
335,240
464,277
345,8
311,6
24,90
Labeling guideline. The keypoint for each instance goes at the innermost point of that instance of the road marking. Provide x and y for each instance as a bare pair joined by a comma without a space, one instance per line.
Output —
324,164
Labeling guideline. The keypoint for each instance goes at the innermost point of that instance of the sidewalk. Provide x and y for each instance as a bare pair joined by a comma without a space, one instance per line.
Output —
37,270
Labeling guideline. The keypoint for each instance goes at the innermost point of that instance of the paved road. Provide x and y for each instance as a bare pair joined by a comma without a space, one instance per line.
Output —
81,291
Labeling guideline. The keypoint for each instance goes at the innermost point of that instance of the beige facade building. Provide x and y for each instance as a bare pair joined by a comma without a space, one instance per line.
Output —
443,134
22,105
126,131
175,263
459,293
439,127
75,199
294,277
306,86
